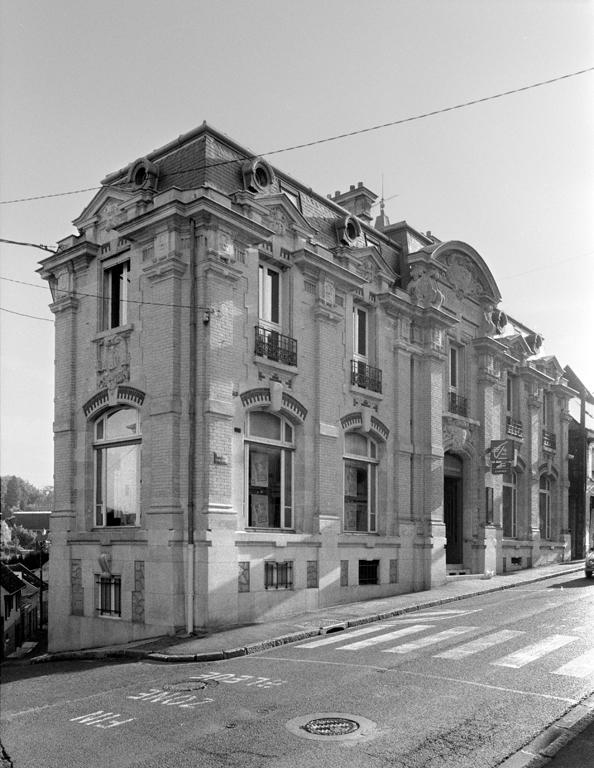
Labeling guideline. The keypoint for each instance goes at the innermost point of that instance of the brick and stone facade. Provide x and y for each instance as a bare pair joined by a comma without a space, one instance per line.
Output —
306,405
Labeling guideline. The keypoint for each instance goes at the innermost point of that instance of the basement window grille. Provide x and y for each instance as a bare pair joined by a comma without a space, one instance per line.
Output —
110,595
278,575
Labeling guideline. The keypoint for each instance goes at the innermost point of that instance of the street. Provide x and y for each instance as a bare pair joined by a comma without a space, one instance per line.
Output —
466,684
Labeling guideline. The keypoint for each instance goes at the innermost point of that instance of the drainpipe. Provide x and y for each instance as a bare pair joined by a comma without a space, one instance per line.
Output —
192,434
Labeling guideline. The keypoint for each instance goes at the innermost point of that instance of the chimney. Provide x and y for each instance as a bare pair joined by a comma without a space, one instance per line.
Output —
358,201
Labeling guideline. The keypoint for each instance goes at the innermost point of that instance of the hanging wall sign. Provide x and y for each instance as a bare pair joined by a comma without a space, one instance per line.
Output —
503,456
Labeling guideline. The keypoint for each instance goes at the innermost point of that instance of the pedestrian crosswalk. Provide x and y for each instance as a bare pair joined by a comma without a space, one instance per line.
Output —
402,637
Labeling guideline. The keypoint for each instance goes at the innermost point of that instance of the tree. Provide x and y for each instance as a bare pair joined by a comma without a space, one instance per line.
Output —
12,493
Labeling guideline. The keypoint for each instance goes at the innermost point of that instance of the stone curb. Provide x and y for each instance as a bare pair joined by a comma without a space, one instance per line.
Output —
539,752
177,658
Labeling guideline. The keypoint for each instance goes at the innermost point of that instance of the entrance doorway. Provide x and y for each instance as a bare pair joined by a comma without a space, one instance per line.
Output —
452,508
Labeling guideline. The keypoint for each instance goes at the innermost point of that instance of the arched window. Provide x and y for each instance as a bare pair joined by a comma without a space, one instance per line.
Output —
360,483
269,471
510,505
544,506
116,450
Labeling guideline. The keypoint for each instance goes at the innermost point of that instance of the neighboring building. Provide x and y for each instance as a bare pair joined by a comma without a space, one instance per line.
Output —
11,629
581,467
265,403
36,522
39,603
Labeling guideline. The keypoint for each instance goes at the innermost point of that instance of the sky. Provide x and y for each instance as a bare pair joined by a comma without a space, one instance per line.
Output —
86,88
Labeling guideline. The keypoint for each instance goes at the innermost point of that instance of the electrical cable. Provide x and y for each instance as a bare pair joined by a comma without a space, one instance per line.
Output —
315,142
78,294
22,314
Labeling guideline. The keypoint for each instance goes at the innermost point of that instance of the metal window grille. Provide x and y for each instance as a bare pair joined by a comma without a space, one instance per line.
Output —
110,595
366,376
514,427
278,575
368,572
275,346
549,440
458,404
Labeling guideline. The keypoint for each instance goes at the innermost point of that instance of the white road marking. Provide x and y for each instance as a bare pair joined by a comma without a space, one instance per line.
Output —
386,637
398,671
337,637
430,640
581,666
533,652
453,612
101,719
480,644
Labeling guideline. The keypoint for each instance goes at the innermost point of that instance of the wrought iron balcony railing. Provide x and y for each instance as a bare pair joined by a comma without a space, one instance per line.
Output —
365,376
514,427
549,441
275,346
457,404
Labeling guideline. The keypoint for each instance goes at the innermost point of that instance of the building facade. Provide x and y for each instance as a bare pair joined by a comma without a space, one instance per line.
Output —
581,467
268,401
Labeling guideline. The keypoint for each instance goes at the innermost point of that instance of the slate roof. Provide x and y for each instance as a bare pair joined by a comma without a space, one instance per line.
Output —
9,581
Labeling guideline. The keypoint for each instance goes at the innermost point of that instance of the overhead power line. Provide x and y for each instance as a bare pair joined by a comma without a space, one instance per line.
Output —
77,294
328,139
23,314
31,245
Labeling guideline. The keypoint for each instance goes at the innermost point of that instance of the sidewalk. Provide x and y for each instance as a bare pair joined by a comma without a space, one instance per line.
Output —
251,638
568,743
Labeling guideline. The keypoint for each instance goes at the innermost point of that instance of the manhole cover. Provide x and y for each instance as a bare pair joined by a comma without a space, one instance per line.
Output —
331,726
189,685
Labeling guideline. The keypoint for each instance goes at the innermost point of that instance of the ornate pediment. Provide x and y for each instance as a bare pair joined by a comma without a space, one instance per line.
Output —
283,218
104,209
466,272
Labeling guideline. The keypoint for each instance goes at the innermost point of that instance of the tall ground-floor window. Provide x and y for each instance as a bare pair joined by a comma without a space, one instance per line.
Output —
544,505
269,471
117,468
510,505
360,484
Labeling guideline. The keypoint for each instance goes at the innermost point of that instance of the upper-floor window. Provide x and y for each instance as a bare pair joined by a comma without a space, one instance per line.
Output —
544,505
117,467
269,471
116,282
510,505
360,483
454,369
547,410
511,395
269,295
457,402
360,333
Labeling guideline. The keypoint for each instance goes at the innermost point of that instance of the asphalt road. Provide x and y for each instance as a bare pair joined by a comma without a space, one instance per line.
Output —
464,685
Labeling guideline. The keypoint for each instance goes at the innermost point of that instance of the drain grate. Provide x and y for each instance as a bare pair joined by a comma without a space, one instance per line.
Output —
331,726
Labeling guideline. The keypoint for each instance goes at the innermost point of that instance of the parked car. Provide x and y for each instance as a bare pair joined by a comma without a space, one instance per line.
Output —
590,563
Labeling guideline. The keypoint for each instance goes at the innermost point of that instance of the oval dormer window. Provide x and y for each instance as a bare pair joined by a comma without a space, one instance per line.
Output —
348,230
258,175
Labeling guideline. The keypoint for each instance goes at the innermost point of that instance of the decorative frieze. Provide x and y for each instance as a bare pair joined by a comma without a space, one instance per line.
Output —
113,360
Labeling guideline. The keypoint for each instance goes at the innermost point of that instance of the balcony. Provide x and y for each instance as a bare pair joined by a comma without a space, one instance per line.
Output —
274,346
514,427
365,376
457,404
549,441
